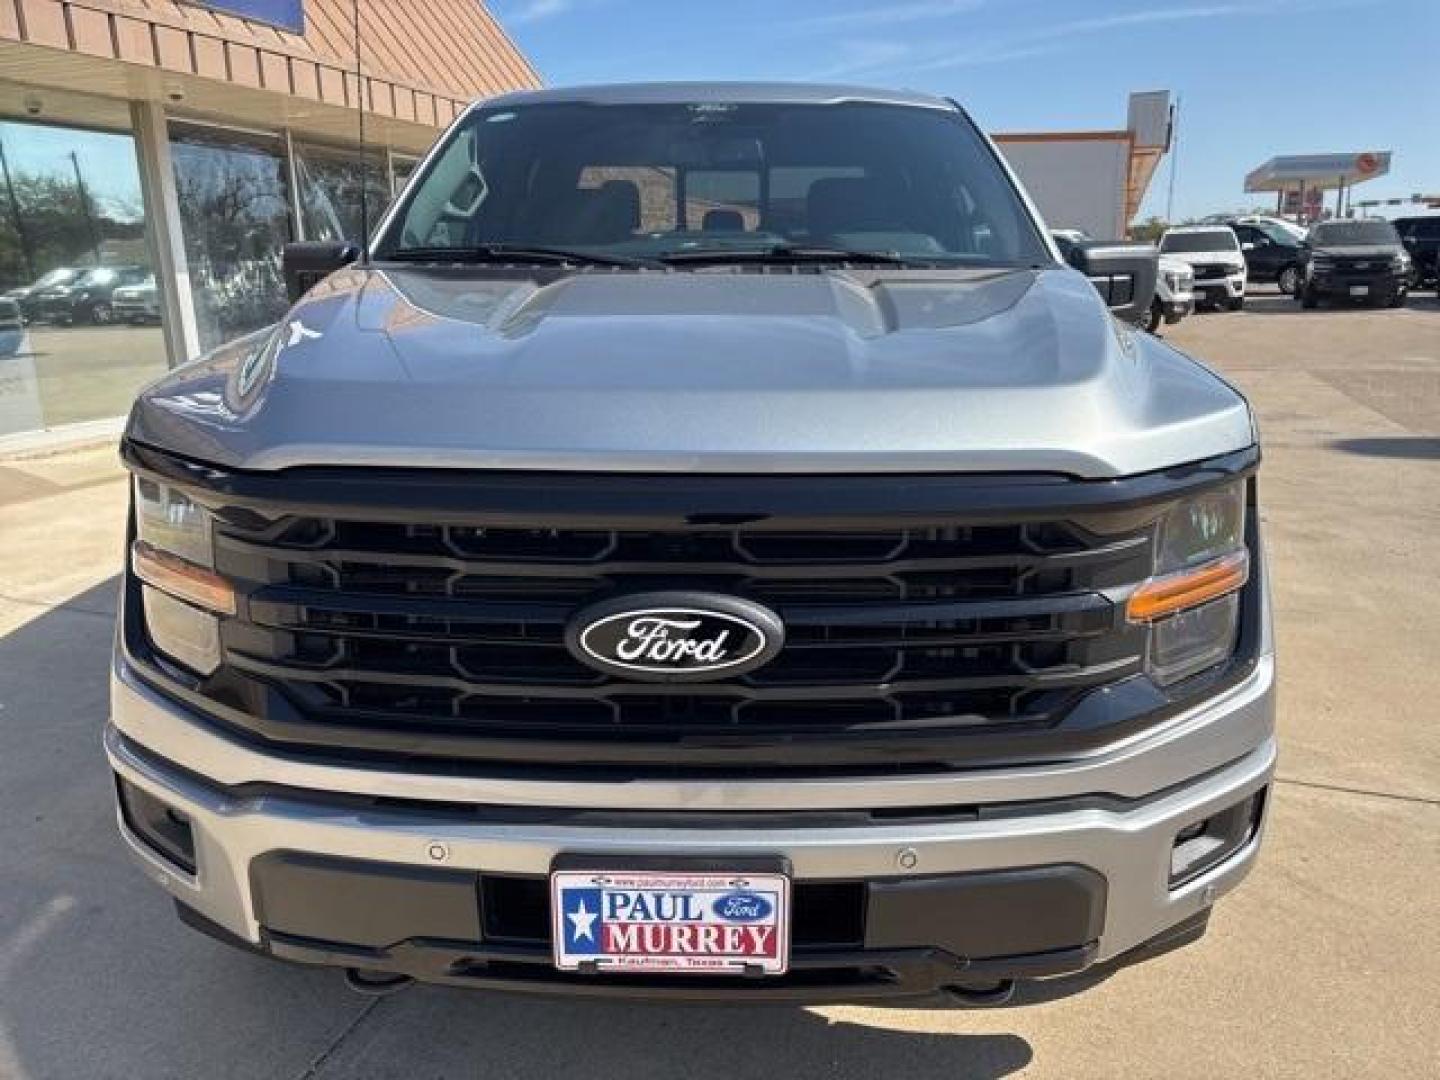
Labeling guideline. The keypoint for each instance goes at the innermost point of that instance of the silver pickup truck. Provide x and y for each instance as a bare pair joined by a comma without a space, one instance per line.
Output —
708,544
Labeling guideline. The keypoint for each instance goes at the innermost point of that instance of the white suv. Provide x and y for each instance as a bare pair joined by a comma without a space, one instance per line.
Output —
1213,252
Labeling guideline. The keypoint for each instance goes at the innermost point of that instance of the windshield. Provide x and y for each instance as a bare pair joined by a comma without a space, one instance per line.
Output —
1353,232
646,181
1202,240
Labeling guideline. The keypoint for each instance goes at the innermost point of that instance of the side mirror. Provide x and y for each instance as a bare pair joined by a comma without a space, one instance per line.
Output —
306,263
1247,246
1123,273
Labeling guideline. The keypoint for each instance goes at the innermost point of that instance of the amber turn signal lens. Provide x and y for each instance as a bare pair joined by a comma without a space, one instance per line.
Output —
1166,595
182,579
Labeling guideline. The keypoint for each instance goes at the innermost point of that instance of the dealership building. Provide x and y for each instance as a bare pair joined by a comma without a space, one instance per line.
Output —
154,157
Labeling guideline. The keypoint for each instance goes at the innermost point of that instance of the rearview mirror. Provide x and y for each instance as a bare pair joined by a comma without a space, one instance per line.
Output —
305,263
1124,274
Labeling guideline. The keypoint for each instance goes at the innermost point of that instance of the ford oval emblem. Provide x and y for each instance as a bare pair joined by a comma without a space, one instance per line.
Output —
675,636
742,907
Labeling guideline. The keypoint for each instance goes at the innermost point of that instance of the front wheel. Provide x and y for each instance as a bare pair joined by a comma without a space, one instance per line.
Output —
1397,298
1235,303
101,315
1308,298
1289,279
1154,317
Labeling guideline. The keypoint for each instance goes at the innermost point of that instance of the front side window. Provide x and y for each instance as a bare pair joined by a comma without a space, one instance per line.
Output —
648,181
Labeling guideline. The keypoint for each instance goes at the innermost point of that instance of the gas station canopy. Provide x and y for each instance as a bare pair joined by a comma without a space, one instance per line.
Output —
1300,181
1322,172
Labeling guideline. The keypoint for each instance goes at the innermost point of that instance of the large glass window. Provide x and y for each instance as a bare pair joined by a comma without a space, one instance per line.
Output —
235,216
331,182
79,310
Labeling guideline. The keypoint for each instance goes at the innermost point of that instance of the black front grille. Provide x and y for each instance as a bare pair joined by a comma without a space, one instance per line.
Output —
1207,271
419,629
931,622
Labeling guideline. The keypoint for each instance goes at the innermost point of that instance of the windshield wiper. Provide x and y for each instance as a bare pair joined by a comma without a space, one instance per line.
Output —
509,253
787,253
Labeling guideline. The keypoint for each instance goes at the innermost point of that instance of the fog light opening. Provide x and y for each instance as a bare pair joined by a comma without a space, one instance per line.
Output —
161,827
1205,844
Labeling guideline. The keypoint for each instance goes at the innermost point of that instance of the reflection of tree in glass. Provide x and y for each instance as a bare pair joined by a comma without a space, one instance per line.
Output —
55,227
233,209
330,187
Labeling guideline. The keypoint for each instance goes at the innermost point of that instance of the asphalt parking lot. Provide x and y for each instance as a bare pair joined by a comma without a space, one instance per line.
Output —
1323,965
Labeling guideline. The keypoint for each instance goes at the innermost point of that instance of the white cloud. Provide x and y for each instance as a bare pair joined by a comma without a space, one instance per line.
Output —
536,11
885,14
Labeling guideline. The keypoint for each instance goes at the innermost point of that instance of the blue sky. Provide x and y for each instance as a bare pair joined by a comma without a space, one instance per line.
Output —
1256,78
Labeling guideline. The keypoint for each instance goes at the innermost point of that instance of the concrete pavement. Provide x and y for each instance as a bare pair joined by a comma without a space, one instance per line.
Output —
1323,964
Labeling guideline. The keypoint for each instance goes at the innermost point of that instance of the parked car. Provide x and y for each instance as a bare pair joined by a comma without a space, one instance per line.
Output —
11,318
28,296
1273,226
136,304
837,607
1213,252
12,327
1421,237
87,298
1271,254
1354,260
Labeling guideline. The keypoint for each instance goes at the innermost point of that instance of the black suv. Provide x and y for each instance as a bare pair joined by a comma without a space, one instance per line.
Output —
1355,260
1421,237
1270,255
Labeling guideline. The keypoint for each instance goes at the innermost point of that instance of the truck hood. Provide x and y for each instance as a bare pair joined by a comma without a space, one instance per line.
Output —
720,370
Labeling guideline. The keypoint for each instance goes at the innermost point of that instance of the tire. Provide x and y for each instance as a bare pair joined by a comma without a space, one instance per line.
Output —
1288,279
101,315
1152,320
1308,299
1234,303
1398,298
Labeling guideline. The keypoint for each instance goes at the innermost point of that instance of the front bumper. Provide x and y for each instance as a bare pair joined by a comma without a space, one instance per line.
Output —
1340,284
1211,290
1114,815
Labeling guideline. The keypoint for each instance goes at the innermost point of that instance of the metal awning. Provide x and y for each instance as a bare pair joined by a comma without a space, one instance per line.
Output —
1318,172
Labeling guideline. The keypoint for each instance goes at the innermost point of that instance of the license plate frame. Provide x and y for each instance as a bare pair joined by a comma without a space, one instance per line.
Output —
624,933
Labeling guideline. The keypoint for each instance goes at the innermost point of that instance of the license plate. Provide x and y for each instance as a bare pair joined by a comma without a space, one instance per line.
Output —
1359,290
706,923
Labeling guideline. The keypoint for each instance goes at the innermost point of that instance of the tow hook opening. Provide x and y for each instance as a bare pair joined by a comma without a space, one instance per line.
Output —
996,992
376,983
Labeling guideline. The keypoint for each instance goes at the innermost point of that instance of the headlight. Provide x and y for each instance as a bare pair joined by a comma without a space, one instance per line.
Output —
167,519
1192,604
174,558
1400,262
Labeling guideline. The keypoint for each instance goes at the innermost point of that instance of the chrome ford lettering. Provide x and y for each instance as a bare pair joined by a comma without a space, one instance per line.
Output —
650,638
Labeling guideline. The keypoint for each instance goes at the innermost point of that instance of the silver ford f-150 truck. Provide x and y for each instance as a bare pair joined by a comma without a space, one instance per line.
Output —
707,544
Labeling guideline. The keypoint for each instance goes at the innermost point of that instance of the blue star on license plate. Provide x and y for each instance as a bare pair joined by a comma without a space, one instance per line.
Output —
715,923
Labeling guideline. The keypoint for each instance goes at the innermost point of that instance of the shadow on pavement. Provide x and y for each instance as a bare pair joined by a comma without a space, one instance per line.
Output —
98,979
453,1033
1415,447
